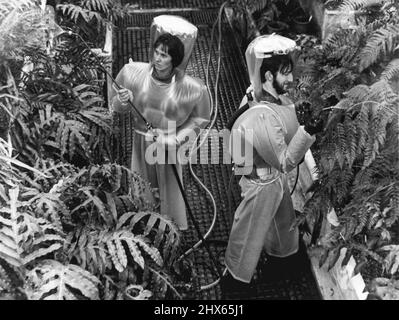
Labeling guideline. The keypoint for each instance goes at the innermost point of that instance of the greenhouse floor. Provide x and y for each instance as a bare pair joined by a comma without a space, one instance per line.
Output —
290,279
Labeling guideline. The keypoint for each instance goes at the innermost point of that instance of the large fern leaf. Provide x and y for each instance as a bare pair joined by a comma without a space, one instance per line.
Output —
358,4
382,41
21,27
24,238
93,204
391,71
100,117
162,232
71,135
74,12
135,244
97,5
51,280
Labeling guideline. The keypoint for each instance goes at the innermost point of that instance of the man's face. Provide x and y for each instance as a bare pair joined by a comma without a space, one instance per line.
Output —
281,81
161,59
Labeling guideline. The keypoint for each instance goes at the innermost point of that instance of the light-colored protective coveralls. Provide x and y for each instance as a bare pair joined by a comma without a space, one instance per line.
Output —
265,216
185,100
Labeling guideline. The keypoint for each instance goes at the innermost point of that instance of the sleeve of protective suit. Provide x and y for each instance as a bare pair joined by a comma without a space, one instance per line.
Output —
199,117
270,143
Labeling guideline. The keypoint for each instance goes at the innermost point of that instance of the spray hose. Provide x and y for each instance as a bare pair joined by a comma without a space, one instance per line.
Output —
196,147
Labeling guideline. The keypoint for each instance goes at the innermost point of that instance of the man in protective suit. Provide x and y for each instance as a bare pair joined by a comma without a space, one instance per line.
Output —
264,218
173,102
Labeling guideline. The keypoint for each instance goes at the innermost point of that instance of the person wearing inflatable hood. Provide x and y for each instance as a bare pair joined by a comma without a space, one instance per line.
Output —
264,218
173,102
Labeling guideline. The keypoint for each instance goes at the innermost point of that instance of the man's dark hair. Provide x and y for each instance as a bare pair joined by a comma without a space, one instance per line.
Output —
171,45
274,64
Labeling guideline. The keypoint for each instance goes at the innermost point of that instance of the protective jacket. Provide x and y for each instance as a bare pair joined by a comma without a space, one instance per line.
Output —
184,101
265,216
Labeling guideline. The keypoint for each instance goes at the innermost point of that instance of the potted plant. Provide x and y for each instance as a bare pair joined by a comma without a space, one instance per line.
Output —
301,22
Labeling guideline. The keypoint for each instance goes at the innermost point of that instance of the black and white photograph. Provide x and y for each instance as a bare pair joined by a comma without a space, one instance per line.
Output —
200,156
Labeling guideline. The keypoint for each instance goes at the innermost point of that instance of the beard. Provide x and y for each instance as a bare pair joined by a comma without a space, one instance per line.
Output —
279,87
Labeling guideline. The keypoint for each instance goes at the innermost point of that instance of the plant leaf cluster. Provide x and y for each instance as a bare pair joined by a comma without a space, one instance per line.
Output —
351,82
74,224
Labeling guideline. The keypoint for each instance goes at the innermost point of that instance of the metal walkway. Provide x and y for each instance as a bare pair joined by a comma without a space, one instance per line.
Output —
131,40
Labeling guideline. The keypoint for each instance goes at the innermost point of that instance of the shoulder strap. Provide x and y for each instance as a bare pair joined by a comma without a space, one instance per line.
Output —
236,115
239,111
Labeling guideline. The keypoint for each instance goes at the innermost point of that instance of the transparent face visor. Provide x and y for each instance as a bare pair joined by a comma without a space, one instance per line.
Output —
178,27
261,48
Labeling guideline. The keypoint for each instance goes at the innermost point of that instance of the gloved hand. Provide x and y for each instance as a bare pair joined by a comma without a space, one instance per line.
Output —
303,111
250,93
314,125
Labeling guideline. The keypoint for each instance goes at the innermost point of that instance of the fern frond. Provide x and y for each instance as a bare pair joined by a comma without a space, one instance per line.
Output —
151,251
50,206
24,238
22,28
71,136
134,244
391,71
305,82
7,6
348,5
363,218
161,231
97,5
11,282
358,93
74,12
94,204
382,42
11,240
100,117
51,280
5,281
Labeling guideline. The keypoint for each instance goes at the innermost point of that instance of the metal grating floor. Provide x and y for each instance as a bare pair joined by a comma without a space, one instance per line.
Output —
131,40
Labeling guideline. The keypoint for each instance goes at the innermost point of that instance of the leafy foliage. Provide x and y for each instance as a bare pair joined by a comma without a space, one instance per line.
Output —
51,280
73,223
350,84
21,27
358,4
383,289
88,16
162,232
382,42
391,71
67,109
